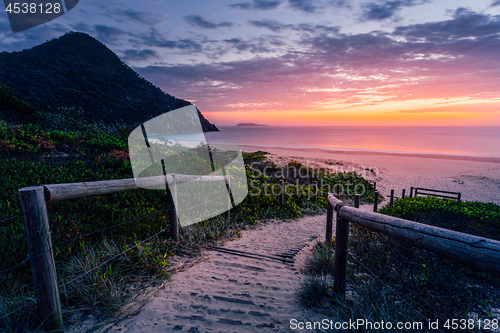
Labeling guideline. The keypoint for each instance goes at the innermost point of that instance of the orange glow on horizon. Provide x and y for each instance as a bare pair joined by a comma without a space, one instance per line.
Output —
355,117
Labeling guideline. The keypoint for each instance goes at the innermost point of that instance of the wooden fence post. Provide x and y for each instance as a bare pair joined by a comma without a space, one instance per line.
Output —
316,190
228,187
392,198
36,223
329,223
375,185
341,251
411,192
338,188
375,203
356,201
459,196
403,194
355,184
172,211
282,191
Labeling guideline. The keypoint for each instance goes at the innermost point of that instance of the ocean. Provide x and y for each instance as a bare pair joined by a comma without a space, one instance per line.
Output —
466,141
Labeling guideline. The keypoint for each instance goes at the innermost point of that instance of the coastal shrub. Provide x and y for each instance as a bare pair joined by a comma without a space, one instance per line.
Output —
438,287
254,157
316,291
322,261
476,218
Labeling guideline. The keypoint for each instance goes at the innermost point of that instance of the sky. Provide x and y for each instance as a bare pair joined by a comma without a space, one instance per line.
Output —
304,62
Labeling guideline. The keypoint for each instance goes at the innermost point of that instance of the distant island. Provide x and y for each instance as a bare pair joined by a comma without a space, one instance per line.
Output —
250,124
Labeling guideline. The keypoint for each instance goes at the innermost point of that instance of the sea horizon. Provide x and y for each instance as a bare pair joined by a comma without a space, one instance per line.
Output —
474,141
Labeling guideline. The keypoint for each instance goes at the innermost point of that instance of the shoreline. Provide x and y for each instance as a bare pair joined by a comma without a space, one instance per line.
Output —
489,159
476,178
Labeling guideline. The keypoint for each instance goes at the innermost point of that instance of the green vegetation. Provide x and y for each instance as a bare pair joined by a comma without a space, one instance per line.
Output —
38,154
391,279
476,218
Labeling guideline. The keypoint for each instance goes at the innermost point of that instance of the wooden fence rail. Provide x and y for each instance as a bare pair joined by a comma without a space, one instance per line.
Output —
476,252
34,209
414,191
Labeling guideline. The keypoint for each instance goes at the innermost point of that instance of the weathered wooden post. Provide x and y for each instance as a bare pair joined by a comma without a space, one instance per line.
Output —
282,182
228,203
356,201
392,198
172,210
338,188
355,184
36,223
403,194
329,222
316,190
411,192
341,251
374,185
459,196
375,203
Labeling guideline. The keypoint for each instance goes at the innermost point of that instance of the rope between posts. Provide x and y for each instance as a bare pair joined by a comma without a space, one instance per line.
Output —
387,239
376,277
9,218
14,311
112,258
78,237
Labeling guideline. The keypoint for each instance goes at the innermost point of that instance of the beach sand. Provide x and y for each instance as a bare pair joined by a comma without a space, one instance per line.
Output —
477,178
234,293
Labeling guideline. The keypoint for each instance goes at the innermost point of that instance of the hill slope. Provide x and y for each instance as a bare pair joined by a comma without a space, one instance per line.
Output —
76,70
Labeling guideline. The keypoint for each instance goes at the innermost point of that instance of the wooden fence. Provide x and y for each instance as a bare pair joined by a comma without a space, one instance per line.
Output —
476,252
414,191
34,209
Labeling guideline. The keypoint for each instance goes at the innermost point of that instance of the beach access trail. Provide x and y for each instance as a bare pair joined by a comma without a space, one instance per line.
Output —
231,292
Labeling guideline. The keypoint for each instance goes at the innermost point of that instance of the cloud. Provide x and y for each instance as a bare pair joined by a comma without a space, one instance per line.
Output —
129,14
465,24
495,3
272,25
448,59
380,11
28,38
257,45
258,5
200,22
154,38
339,3
307,6
135,55
108,34
277,26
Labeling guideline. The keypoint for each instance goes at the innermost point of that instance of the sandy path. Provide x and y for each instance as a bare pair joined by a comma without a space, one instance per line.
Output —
231,293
